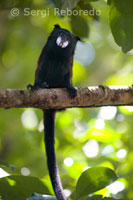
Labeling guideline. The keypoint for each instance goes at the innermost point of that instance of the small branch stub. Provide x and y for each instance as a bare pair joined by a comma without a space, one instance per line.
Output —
59,98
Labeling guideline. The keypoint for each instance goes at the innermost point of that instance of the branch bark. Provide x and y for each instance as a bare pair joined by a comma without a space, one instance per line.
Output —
59,98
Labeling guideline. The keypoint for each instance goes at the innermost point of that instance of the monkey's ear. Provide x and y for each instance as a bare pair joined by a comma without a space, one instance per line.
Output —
78,38
57,26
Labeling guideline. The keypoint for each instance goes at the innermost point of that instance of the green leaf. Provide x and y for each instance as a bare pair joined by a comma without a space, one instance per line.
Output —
63,4
3,163
100,197
109,2
94,179
79,26
91,11
15,4
36,196
21,187
86,1
55,3
69,4
121,23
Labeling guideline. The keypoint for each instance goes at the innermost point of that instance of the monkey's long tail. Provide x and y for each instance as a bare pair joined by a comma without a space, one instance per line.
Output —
49,123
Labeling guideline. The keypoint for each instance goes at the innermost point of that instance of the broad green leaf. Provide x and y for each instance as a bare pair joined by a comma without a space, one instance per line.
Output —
21,187
69,4
93,0
94,179
36,196
121,23
86,1
79,26
107,135
109,2
3,163
15,4
55,3
91,11
100,197
63,4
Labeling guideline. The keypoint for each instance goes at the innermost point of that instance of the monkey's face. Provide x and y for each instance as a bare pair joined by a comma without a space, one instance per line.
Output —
63,40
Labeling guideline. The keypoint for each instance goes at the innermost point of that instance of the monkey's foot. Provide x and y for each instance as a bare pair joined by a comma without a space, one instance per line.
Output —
102,87
72,92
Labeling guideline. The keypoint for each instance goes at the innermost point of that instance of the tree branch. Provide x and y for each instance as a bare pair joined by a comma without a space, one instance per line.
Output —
59,98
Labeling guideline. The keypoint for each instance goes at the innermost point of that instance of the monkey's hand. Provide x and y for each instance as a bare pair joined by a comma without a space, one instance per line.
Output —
37,86
72,91
44,85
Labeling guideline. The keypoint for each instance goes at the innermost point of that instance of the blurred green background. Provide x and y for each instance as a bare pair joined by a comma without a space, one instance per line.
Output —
84,137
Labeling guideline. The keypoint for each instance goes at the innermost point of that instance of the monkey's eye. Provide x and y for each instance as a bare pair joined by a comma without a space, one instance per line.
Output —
62,41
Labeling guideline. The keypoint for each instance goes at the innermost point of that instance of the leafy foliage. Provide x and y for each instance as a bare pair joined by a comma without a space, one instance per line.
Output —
79,21
94,179
37,196
121,19
21,187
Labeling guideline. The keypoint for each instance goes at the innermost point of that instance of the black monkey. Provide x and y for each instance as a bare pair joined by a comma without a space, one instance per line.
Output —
55,71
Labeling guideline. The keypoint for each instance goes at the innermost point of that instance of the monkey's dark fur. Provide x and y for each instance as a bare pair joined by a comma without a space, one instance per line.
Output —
55,71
